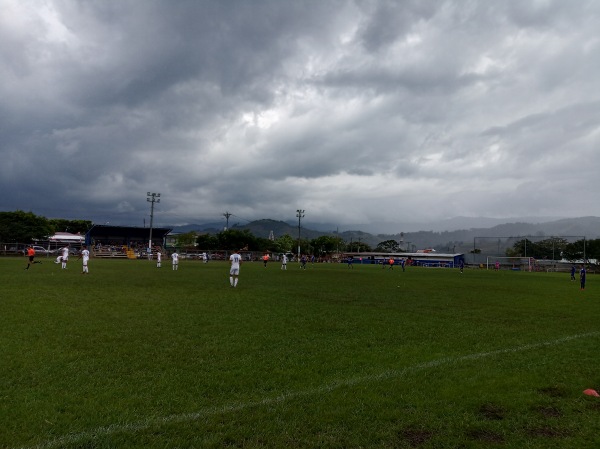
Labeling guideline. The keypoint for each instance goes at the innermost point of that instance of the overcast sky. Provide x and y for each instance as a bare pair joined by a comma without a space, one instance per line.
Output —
354,111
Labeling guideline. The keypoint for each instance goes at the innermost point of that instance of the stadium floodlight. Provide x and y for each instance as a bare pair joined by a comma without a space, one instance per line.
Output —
300,215
227,215
152,198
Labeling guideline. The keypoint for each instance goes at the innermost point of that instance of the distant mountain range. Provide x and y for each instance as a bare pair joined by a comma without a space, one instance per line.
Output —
496,234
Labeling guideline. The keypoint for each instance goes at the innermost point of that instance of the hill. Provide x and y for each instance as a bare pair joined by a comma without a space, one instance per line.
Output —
463,240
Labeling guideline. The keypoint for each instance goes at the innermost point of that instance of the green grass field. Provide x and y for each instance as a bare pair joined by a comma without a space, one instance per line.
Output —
131,356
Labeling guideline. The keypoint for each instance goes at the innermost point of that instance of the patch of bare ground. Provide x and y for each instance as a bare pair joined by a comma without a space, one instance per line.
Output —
415,437
492,412
554,391
547,432
548,411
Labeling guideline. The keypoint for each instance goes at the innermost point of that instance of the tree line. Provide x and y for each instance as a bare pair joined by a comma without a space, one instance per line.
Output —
25,227
245,240
556,248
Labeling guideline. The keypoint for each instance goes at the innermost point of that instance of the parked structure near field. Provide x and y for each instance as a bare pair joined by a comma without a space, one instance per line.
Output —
66,237
129,236
422,259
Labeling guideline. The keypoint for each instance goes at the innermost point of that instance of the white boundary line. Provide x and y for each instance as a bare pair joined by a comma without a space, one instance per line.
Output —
238,406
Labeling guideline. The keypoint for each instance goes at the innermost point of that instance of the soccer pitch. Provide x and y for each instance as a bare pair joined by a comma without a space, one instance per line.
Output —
133,356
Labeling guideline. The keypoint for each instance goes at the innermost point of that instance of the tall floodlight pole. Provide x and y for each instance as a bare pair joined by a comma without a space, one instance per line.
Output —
300,215
152,198
227,215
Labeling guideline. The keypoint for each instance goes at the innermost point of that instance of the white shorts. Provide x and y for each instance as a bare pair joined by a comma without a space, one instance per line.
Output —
234,271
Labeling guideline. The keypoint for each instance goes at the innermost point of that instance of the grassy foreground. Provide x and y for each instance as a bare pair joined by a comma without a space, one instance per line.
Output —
132,356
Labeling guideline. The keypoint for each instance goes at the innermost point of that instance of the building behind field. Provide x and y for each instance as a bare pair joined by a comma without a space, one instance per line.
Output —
421,259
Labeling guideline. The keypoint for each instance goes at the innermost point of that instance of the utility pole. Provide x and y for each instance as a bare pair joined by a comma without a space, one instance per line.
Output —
152,198
300,215
227,215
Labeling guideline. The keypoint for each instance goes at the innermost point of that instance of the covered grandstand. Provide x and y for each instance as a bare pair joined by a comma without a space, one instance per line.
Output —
421,259
125,235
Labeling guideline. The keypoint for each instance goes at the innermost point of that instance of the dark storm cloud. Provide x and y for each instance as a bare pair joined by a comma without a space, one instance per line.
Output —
350,110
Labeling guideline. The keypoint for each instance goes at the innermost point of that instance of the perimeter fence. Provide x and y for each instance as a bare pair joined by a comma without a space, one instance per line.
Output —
549,252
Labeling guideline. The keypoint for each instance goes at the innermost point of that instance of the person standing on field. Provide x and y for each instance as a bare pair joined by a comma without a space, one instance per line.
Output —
175,258
234,271
582,274
573,272
158,259
284,262
65,257
85,254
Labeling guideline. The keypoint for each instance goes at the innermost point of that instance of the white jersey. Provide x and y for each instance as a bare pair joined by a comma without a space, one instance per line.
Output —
235,260
158,256
86,255
65,253
284,259
175,258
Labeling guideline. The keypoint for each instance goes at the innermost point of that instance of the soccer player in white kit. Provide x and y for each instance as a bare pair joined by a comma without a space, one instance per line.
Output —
284,262
175,258
85,254
234,271
158,259
65,257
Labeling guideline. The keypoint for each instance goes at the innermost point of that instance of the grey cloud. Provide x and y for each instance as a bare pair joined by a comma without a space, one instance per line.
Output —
437,108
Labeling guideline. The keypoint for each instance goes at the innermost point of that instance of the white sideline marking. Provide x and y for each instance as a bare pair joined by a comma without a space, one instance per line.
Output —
237,406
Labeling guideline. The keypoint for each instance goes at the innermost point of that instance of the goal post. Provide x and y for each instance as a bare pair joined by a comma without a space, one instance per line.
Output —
509,263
